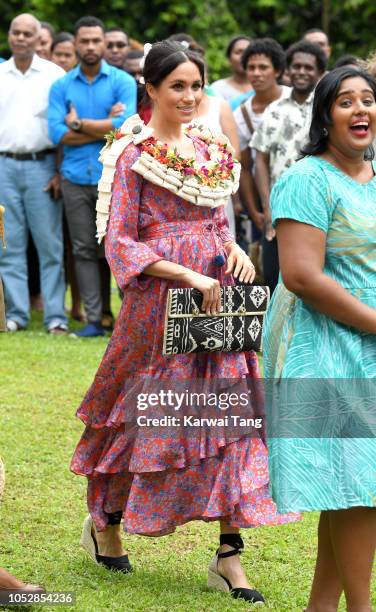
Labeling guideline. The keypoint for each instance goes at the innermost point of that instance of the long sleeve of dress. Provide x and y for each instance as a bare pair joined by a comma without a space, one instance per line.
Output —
126,255
223,225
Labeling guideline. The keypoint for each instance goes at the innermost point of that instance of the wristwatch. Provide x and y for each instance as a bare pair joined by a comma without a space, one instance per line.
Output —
75,125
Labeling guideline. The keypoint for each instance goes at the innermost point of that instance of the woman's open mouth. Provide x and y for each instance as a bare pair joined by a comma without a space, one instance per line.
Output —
360,128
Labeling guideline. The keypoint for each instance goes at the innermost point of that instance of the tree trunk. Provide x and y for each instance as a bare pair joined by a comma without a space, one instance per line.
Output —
325,16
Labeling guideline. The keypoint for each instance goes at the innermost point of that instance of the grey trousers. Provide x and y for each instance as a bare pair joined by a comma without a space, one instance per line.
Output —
79,203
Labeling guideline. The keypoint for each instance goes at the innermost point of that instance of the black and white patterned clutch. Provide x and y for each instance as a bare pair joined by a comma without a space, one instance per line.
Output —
237,328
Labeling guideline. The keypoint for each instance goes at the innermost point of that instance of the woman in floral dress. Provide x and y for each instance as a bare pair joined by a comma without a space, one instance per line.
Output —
157,240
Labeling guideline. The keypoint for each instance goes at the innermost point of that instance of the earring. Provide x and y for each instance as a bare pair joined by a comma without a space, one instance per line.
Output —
325,132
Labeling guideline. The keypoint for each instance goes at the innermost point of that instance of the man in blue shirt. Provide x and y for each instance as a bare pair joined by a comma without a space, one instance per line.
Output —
91,100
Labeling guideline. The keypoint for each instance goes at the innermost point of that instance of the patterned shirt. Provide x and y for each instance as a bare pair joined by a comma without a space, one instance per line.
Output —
283,133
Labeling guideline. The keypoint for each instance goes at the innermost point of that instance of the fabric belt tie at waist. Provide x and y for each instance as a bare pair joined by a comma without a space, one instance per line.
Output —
39,156
190,228
162,230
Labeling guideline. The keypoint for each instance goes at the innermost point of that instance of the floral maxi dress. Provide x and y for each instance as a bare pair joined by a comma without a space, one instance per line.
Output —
160,483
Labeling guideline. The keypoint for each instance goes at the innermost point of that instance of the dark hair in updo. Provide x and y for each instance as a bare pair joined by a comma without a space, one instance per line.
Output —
164,57
188,42
325,95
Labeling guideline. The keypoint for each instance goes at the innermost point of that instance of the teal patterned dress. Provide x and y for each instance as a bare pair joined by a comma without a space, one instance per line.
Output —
321,467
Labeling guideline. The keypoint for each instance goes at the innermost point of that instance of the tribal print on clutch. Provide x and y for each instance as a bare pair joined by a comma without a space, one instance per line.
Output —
238,328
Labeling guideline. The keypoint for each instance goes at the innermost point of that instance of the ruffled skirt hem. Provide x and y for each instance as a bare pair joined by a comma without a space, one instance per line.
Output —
231,486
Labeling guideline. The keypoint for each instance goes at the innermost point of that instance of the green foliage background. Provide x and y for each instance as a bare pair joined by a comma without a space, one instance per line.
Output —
213,22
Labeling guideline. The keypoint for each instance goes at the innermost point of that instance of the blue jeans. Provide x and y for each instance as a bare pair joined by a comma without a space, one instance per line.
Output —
28,206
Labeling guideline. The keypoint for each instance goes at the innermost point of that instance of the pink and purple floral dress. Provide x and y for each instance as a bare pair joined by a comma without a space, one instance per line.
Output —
160,482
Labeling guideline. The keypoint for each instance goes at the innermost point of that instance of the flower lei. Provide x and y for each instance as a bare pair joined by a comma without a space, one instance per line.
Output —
207,184
218,169
112,136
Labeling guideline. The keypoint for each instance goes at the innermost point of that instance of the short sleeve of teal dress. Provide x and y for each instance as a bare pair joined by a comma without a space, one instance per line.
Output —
324,455
303,196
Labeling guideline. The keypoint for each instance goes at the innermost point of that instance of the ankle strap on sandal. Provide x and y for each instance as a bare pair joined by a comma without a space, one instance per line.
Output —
114,518
231,539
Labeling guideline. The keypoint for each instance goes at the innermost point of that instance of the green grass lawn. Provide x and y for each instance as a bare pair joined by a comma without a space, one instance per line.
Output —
43,379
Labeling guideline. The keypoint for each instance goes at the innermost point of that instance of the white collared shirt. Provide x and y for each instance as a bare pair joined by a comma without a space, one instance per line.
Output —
23,105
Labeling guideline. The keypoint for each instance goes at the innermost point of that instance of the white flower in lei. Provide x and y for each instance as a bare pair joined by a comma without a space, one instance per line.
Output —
208,183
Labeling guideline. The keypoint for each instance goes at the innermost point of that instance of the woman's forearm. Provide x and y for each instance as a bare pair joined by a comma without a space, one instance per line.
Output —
167,270
331,299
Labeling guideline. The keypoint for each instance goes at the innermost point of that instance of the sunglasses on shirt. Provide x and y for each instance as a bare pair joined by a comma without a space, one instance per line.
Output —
116,45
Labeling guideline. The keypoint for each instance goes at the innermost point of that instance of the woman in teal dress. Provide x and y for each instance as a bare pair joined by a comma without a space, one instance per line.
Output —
321,327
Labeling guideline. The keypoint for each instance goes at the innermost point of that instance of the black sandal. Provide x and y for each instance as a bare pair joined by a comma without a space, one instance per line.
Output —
89,543
220,583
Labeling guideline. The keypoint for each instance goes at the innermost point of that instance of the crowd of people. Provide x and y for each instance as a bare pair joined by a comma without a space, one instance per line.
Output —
60,96
76,87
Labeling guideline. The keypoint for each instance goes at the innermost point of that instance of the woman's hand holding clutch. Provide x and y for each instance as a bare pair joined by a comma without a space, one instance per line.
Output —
238,263
210,289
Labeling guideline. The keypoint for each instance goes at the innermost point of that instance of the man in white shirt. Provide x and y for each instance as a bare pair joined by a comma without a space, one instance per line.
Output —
29,180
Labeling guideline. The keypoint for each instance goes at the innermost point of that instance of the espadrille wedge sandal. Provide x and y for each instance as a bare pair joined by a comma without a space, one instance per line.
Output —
89,543
220,583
